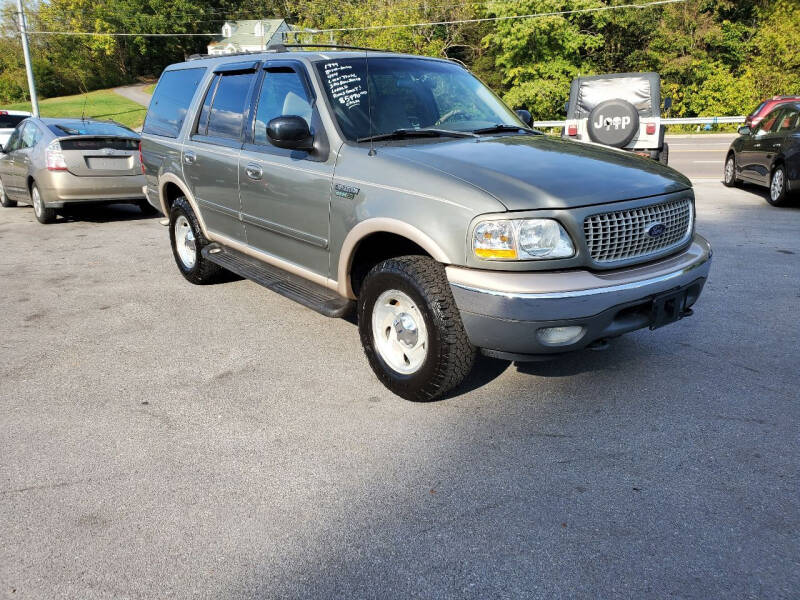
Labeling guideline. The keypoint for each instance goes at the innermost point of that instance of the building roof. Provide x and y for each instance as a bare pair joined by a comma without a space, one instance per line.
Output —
243,32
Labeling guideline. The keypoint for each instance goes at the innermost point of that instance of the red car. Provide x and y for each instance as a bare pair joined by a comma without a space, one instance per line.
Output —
754,118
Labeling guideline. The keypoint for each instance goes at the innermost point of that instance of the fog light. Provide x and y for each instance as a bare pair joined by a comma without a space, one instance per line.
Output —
558,336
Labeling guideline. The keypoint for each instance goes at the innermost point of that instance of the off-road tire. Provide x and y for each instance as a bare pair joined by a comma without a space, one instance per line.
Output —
4,200
45,214
450,356
782,197
204,271
731,181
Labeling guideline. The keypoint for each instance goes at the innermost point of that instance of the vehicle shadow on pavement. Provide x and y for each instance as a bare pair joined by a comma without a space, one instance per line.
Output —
104,213
763,192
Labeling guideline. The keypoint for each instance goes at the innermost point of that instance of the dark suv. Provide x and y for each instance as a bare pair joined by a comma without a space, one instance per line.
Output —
404,188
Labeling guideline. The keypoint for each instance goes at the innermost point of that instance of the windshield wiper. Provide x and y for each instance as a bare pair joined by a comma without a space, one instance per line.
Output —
499,128
399,134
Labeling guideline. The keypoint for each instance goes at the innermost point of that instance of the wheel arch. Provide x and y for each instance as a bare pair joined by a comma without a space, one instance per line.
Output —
171,187
377,239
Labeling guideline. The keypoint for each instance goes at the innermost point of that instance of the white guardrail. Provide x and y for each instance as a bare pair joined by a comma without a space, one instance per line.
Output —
675,121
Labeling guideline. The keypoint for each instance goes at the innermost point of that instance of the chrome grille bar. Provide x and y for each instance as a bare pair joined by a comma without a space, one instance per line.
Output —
624,234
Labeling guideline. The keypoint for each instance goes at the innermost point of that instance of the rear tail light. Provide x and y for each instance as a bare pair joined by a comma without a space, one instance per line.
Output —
3,112
651,128
141,158
572,130
55,158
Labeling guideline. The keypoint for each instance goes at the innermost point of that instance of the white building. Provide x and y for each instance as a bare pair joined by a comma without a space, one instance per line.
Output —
249,36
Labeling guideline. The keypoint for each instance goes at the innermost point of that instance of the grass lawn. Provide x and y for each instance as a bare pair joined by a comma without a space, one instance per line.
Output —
101,104
149,88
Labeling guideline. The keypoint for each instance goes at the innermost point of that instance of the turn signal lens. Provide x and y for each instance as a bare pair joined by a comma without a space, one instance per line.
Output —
521,239
54,158
494,239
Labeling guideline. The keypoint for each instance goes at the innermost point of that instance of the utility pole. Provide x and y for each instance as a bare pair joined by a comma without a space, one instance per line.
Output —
28,65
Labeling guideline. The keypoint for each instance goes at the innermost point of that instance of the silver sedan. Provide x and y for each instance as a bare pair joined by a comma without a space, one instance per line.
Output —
51,163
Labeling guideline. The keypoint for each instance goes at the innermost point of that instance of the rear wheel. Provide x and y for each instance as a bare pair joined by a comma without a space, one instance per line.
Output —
411,329
4,201
187,241
43,213
778,194
729,174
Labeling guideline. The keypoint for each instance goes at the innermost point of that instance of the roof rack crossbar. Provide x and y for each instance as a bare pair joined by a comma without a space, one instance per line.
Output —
283,47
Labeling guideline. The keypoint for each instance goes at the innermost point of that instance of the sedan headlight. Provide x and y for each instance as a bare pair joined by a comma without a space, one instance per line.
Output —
521,239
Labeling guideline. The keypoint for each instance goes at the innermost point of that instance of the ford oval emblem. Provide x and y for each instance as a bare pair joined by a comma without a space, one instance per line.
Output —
655,230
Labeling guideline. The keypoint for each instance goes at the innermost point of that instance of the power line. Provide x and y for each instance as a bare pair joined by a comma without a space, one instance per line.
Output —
379,27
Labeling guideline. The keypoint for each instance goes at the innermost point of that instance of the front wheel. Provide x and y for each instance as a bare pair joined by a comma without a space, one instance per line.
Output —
778,194
729,174
43,214
411,329
4,200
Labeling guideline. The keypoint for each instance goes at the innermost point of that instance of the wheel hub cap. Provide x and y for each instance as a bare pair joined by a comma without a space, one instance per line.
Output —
399,332
185,243
37,203
729,170
777,185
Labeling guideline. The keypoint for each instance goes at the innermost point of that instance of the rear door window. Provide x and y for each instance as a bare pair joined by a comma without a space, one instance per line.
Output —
171,101
227,109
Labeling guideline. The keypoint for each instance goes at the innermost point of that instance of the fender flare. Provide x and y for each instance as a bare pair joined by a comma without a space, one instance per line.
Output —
166,178
380,225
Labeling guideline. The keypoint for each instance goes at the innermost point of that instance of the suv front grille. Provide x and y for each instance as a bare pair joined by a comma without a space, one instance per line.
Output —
623,234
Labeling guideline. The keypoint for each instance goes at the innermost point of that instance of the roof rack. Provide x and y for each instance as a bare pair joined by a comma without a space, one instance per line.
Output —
242,53
283,47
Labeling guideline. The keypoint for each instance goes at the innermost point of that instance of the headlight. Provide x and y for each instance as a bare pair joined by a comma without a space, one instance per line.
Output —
521,239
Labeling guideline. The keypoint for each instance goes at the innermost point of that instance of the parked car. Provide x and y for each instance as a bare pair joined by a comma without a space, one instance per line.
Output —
763,109
52,163
621,110
9,119
403,187
768,154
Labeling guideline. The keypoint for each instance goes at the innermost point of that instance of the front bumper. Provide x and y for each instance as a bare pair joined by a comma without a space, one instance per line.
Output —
503,311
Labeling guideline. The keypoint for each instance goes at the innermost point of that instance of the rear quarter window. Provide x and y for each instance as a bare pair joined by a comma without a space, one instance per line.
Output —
171,101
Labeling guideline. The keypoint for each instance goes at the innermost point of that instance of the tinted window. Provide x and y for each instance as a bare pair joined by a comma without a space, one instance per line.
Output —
202,123
768,122
90,128
30,135
13,141
282,94
788,120
11,121
171,101
225,119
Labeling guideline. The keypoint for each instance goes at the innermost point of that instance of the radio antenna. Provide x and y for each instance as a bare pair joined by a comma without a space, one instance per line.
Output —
369,106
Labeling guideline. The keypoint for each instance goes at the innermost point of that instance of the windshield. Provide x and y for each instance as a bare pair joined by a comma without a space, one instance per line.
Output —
409,93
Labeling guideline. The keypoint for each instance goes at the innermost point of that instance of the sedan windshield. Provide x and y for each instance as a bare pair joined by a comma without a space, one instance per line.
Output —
409,94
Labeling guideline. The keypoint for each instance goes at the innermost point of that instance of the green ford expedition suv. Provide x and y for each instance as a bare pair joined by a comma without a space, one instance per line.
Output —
403,188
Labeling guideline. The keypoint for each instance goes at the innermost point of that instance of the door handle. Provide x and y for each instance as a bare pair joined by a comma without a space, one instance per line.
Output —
189,157
254,171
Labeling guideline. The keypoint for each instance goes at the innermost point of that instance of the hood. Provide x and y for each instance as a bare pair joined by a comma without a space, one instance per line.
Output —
526,172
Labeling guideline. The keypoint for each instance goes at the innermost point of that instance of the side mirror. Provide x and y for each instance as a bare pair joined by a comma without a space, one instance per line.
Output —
525,117
667,102
744,130
290,132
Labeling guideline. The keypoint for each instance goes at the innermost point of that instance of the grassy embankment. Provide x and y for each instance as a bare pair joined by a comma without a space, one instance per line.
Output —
100,104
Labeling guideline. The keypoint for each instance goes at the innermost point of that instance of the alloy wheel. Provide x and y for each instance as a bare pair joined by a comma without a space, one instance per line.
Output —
776,187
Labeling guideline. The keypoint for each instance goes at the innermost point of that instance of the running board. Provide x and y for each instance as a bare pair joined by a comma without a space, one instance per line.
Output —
307,293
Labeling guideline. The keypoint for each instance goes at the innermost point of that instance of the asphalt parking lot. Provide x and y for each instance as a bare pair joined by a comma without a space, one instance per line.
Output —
163,440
